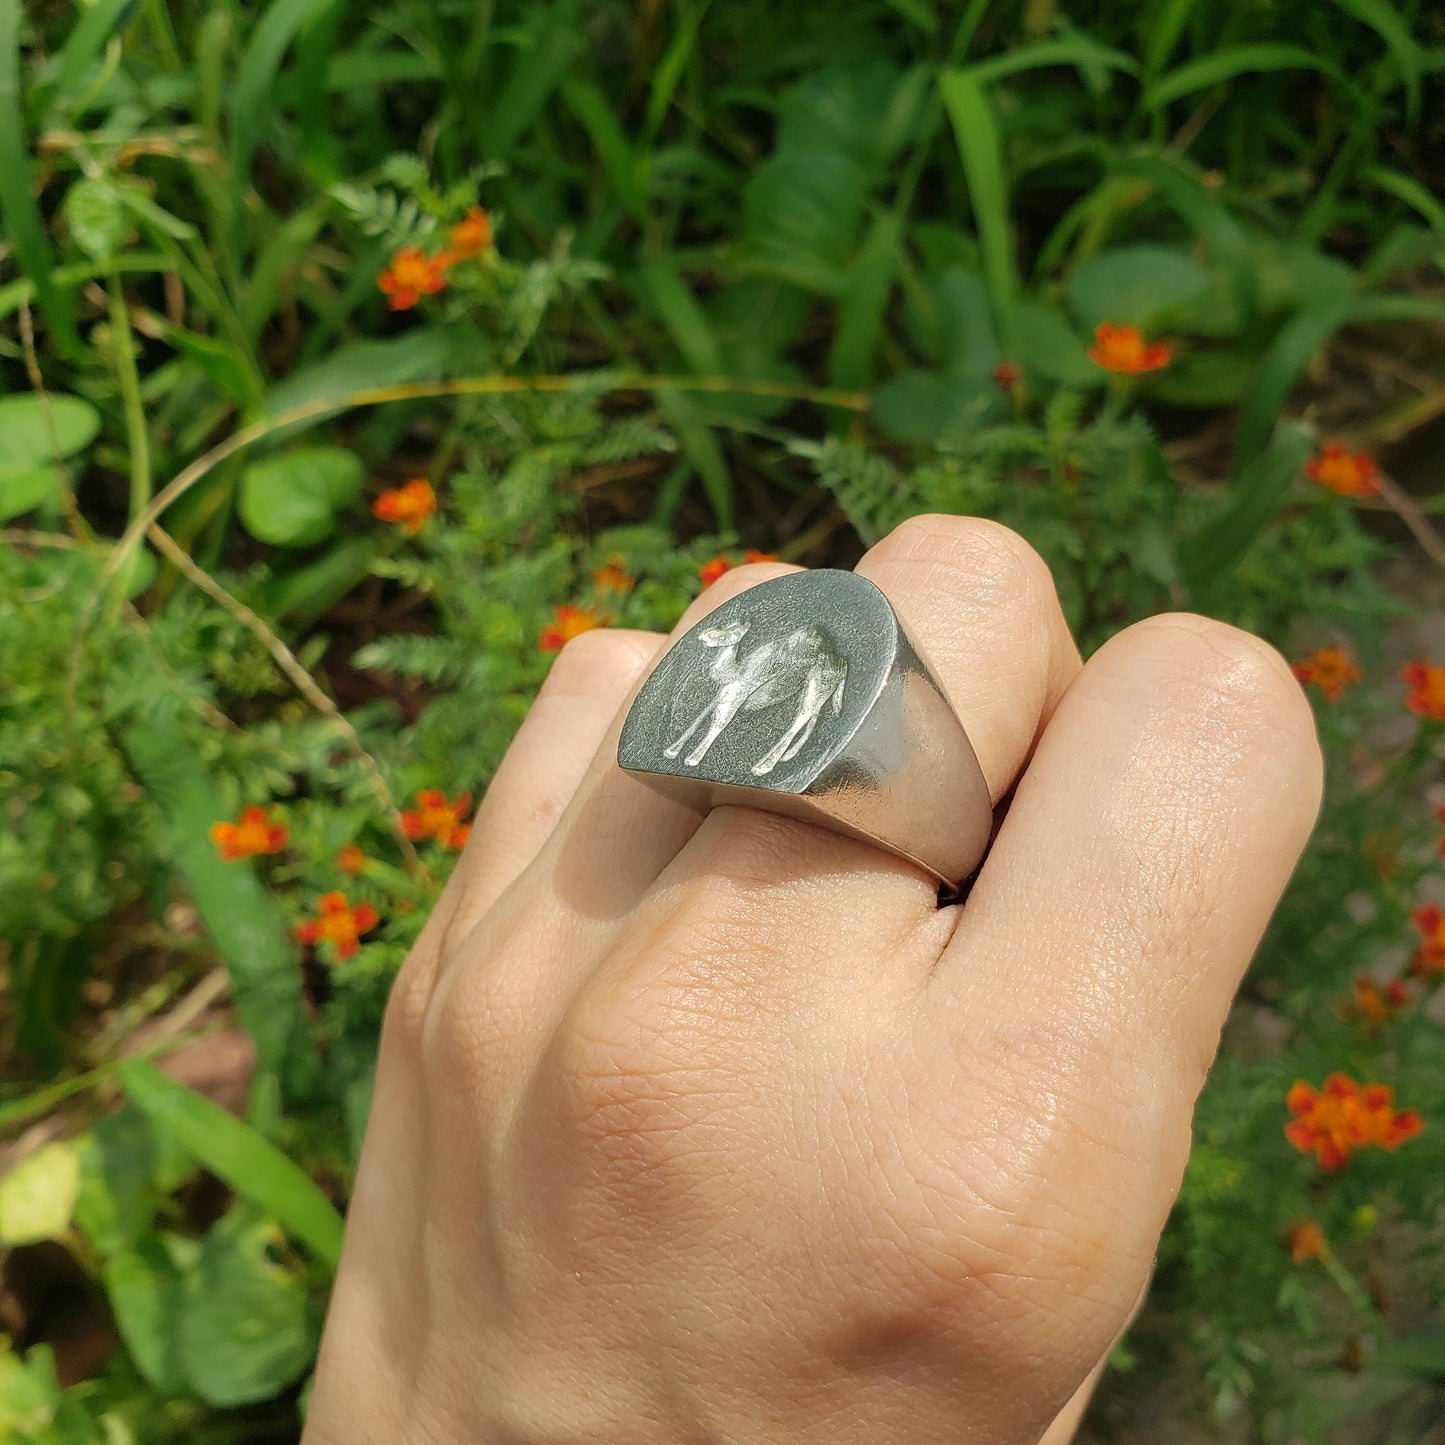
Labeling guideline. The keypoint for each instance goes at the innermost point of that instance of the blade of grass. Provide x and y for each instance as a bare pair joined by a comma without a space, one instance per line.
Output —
239,914
1226,65
668,75
687,323
1294,348
700,446
556,38
17,196
1078,51
250,96
1411,192
860,313
595,114
1255,496
1394,30
981,151
1164,34
94,28
234,1152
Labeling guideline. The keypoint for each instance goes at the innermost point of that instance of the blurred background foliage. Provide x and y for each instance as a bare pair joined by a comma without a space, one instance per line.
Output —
281,531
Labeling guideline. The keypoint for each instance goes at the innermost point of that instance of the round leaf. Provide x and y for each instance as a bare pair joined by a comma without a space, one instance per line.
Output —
244,1328
1134,285
1048,346
96,214
30,438
292,500
37,1197
23,491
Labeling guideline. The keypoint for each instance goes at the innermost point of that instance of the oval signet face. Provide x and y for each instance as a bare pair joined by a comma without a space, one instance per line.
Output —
768,689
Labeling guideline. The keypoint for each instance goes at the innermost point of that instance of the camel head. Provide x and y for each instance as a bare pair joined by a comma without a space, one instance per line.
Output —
728,635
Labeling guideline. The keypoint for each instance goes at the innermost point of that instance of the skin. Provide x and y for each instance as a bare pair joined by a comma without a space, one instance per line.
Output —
719,1129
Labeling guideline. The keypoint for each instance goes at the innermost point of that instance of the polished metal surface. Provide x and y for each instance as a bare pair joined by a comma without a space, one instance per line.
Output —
803,696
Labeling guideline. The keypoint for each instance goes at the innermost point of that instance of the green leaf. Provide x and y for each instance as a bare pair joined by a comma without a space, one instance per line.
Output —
24,491
981,151
240,915
1077,50
146,1287
1411,192
1048,346
233,1151
37,1197
1294,348
1255,496
97,217
34,429
1221,66
420,355
292,500
18,209
700,447
862,306
594,111
917,406
244,1328
1134,285
660,283
94,29
251,94
1394,30
118,1164
549,44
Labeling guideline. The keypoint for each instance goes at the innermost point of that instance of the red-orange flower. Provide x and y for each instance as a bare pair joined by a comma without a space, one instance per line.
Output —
339,924
711,571
351,859
1123,350
408,506
1427,690
1430,957
1305,1240
1351,474
249,836
568,621
411,275
612,577
1334,1121
1373,1005
1007,375
468,239
434,817
1331,669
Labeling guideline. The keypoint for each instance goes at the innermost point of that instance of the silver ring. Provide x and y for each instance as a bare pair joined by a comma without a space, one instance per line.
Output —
804,696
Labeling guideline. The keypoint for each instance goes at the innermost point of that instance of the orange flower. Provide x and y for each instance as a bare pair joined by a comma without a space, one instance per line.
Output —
1331,669
1305,1240
339,924
1336,467
249,836
711,571
1007,375
1334,1121
409,506
1123,350
351,859
1427,690
468,239
612,577
436,818
1373,1005
1431,956
568,622
411,275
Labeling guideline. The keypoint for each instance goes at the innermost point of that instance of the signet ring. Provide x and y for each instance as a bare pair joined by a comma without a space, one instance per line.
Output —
804,696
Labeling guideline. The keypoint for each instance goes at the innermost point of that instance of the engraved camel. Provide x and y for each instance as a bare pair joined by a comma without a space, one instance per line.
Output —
803,664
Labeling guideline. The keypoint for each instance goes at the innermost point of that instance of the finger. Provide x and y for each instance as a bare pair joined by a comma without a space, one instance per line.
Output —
548,758
1144,851
618,834
979,603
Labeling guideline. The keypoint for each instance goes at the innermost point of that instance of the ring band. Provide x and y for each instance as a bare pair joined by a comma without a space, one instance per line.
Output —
804,696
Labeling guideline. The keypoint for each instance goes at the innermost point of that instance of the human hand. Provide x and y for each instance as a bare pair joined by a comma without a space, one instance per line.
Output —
721,1130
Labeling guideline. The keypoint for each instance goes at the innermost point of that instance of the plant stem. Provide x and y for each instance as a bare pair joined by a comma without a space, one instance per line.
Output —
138,444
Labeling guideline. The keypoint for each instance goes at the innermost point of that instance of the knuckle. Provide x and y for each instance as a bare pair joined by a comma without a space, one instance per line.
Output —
986,551
601,653
1229,672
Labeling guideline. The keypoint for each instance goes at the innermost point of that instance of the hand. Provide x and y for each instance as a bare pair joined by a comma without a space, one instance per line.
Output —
720,1129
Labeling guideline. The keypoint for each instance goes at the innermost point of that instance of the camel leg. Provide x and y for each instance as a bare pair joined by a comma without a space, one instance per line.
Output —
802,738
786,747
673,749
723,713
